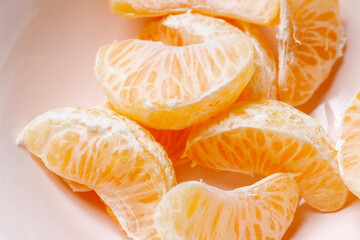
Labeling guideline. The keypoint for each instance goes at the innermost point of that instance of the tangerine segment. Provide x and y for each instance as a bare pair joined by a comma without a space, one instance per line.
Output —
174,87
173,141
108,153
195,210
311,39
263,12
263,83
349,147
266,137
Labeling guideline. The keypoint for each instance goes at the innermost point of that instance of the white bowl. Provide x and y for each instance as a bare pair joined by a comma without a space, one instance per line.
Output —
47,51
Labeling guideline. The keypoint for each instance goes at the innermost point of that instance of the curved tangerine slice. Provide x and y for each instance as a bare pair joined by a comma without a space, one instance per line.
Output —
263,83
174,87
262,211
349,143
109,154
262,12
173,141
266,137
311,39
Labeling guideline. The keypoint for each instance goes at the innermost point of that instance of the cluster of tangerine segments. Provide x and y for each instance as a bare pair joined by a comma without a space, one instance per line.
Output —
203,85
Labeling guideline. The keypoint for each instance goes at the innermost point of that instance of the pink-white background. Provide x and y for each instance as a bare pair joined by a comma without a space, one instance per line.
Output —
47,51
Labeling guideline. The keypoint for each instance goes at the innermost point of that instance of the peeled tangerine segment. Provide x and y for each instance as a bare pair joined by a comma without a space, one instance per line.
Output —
349,146
173,87
263,12
173,141
266,137
195,210
108,153
311,39
263,83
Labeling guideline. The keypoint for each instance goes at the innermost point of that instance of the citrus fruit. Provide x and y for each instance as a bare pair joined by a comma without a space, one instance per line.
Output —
109,154
349,147
262,12
311,39
173,87
266,137
195,210
173,141
263,83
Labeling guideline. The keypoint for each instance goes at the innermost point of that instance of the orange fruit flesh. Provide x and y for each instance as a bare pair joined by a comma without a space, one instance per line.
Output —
311,39
174,87
261,211
109,154
267,137
263,83
349,146
256,11
173,141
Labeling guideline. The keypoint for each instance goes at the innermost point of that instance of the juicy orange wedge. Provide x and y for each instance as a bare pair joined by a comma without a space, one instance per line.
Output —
267,137
194,210
349,147
311,39
262,12
108,153
263,83
174,87
173,141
